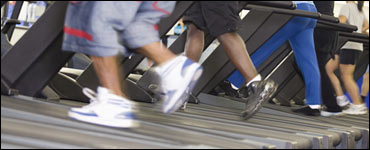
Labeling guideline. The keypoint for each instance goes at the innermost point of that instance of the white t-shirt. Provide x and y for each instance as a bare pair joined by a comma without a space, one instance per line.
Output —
356,18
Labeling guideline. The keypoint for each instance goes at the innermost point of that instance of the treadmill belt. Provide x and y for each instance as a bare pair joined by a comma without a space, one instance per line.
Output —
199,126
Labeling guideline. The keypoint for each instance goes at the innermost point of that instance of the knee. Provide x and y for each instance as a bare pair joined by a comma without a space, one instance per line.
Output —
346,77
193,30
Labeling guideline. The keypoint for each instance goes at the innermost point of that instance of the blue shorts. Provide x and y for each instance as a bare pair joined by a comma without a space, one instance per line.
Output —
107,28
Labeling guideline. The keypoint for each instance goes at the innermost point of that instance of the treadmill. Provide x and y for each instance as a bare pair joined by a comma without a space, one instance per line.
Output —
201,126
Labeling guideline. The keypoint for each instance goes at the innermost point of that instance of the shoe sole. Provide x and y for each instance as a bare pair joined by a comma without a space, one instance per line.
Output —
270,92
115,123
360,113
331,114
185,92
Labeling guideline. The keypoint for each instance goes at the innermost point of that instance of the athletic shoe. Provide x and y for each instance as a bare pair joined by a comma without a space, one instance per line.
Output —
105,109
325,113
356,110
255,95
178,79
308,111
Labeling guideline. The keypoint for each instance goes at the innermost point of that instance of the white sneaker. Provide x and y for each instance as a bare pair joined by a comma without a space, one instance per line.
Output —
329,114
342,101
178,79
356,109
105,109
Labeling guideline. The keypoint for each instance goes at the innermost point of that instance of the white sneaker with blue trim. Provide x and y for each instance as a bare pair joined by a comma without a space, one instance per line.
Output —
178,78
105,109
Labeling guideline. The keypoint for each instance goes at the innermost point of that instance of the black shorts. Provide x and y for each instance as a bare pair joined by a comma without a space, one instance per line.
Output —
216,17
349,56
325,41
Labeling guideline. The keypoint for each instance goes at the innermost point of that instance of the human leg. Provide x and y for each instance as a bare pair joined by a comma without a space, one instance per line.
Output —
305,55
347,71
178,75
194,42
107,71
358,107
330,67
365,85
256,91
107,107
347,66
235,49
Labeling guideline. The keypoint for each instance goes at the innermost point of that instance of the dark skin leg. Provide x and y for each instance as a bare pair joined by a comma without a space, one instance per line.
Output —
107,68
194,43
235,48
233,45
107,71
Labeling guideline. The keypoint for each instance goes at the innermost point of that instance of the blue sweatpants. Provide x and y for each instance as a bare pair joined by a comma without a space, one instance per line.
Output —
299,32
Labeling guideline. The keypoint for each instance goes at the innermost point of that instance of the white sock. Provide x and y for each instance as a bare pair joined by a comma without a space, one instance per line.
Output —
257,78
315,106
343,97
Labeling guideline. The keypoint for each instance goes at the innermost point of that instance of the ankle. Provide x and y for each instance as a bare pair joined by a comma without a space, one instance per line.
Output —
342,97
255,79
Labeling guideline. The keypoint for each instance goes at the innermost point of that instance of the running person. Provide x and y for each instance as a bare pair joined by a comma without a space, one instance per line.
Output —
104,30
299,32
221,19
351,13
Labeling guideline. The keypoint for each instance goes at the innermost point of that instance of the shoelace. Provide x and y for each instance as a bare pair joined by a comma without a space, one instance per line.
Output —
91,95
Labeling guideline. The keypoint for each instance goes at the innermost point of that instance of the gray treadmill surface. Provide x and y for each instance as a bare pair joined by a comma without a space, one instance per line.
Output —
200,126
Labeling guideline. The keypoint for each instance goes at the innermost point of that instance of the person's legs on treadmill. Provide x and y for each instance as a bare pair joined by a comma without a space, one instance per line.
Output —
346,71
178,74
303,47
109,106
358,107
107,68
224,28
256,91
194,43
327,90
235,49
365,85
107,72
305,54
330,67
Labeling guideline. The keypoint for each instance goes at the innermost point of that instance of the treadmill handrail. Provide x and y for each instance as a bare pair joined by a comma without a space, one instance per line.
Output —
363,41
320,25
342,26
355,35
300,13
276,4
